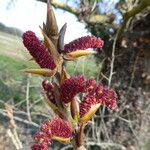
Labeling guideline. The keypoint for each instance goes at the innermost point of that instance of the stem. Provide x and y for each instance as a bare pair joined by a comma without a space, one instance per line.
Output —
78,140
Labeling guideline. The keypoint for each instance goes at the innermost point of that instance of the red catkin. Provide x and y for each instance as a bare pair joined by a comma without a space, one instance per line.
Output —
71,87
83,43
38,50
50,128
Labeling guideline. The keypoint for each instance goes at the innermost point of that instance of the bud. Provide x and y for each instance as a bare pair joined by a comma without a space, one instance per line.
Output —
51,24
75,109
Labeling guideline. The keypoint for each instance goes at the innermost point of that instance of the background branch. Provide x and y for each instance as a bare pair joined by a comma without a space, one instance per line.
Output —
90,18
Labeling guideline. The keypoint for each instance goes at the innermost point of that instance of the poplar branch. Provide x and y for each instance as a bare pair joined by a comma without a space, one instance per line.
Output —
90,18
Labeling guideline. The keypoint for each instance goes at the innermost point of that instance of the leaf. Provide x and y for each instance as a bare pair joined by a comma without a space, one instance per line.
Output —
90,113
79,53
61,139
44,72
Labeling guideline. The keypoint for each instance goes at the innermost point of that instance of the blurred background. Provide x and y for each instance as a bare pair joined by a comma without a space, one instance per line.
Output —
122,64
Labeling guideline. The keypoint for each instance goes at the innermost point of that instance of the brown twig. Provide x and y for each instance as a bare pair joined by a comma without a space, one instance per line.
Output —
12,132
3,112
90,18
27,98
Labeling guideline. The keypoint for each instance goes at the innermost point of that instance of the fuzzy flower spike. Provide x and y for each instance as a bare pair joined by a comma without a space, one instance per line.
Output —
38,50
80,47
83,43
55,129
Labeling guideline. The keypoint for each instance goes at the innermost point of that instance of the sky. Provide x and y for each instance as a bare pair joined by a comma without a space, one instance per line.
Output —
28,17
29,14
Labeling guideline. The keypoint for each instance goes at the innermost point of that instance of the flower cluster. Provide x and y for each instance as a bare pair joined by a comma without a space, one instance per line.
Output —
38,50
78,84
52,129
63,94
84,43
94,93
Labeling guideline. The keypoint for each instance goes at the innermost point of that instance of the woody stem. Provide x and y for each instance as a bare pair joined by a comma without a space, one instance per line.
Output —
78,141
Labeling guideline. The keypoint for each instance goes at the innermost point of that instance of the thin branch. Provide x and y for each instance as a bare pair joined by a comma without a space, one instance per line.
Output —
106,145
133,72
104,76
27,97
112,59
102,145
16,136
66,147
125,120
63,6
19,119
135,10
12,137
90,18
12,133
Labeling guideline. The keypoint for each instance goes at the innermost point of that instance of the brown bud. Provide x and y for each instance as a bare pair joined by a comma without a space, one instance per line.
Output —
61,35
75,109
51,24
